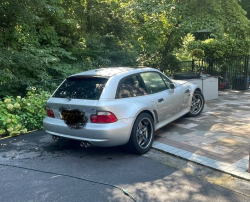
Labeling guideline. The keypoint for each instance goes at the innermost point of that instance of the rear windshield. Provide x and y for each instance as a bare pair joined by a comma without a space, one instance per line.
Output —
89,88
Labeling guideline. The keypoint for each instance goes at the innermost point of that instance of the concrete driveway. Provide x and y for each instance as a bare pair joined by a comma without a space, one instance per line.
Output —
218,138
143,177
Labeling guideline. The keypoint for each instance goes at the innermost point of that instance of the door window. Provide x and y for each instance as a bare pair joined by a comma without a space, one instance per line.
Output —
167,81
131,86
153,82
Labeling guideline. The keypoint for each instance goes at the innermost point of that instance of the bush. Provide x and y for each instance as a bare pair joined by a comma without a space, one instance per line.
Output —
18,115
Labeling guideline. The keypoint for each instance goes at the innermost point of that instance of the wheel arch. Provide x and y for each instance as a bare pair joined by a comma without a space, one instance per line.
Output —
148,112
198,89
153,114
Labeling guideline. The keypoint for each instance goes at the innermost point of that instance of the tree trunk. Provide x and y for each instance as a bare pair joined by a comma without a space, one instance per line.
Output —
168,45
89,25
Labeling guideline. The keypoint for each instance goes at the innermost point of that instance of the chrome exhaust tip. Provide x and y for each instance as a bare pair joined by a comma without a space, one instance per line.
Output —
55,138
85,144
82,144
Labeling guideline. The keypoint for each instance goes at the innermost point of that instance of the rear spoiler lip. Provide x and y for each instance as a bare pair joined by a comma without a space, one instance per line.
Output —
88,76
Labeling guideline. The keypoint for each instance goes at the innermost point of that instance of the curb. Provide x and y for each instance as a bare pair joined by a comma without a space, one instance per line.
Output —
18,134
198,159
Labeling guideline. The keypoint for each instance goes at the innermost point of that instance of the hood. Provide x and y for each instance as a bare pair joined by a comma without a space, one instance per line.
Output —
179,82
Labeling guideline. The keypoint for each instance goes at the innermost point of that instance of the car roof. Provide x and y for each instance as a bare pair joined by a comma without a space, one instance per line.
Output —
111,71
105,72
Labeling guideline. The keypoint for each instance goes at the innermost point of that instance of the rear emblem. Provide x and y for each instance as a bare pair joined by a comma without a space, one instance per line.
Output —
68,106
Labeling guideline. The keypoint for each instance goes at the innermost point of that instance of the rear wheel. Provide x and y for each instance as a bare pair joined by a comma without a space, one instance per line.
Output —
142,135
197,104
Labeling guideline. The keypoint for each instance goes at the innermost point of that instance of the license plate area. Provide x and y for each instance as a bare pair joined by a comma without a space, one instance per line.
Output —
74,119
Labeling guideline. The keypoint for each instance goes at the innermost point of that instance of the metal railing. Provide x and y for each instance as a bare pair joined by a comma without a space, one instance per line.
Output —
235,71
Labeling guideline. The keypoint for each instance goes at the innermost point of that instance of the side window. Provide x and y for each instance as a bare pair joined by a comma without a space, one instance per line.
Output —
167,81
153,82
131,86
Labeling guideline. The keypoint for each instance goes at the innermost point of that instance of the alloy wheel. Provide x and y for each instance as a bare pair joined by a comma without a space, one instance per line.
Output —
196,104
144,133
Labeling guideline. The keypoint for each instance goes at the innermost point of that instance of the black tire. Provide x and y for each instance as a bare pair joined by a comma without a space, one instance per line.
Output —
185,75
133,143
197,96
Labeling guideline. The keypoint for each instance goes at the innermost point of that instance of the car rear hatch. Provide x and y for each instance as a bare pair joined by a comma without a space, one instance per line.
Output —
78,92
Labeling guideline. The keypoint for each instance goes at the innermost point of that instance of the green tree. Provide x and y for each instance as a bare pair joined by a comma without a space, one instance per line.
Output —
246,6
31,49
164,24
44,39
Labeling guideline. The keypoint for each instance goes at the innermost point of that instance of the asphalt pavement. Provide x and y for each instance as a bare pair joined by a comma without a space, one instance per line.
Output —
59,169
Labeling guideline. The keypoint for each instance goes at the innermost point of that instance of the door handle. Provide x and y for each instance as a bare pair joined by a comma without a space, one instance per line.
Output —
161,100
187,91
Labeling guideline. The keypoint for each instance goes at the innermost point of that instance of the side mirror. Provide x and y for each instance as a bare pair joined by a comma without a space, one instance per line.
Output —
172,86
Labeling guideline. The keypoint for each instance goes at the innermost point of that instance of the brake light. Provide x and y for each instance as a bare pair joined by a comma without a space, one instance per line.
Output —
103,117
50,113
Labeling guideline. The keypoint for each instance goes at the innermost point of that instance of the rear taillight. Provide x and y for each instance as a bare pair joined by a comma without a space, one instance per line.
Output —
103,117
50,113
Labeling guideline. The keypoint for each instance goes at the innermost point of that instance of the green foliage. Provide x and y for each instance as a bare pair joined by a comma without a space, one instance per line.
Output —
51,39
246,6
40,40
197,54
30,48
225,47
164,24
182,53
21,114
231,38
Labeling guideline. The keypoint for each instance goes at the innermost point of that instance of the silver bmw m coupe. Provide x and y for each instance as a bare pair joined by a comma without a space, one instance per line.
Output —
119,106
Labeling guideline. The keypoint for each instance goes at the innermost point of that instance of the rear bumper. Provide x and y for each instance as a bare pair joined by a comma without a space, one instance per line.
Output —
103,135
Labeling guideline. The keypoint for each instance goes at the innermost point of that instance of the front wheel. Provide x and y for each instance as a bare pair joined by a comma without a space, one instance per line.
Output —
142,135
197,104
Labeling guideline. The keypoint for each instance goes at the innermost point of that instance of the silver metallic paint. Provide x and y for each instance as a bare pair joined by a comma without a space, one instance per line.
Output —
175,105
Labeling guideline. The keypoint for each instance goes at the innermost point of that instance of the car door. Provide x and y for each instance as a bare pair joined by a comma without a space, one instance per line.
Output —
177,95
161,94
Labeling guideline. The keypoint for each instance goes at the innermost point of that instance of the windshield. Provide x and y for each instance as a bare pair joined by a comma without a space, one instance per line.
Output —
89,88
